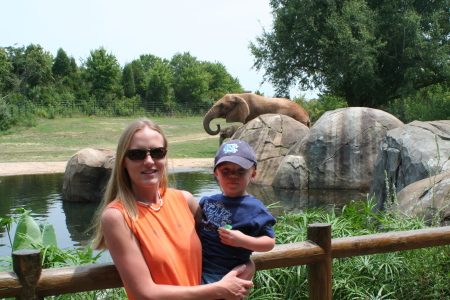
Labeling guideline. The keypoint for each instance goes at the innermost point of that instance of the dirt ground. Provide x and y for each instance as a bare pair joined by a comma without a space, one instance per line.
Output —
26,168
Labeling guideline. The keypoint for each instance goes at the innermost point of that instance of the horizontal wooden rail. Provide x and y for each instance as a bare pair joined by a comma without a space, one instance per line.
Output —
287,255
390,242
105,275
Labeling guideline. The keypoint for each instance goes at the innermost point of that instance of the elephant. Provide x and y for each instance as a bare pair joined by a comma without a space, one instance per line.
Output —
245,107
228,132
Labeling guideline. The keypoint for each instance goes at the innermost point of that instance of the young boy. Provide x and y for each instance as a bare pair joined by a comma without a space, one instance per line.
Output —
234,223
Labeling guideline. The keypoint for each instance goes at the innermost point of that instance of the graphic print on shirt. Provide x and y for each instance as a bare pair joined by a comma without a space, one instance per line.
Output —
216,215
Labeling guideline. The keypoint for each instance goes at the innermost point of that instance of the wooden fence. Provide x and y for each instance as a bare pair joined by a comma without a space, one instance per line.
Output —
29,281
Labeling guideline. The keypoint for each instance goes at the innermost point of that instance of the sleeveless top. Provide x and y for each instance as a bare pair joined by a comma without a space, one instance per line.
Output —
168,240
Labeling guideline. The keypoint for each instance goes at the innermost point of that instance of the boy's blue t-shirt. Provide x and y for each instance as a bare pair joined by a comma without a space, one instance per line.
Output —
246,214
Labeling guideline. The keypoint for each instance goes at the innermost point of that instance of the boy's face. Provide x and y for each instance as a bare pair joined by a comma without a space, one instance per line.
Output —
234,179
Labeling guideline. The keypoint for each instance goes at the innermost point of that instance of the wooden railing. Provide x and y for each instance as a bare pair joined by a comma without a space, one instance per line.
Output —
29,281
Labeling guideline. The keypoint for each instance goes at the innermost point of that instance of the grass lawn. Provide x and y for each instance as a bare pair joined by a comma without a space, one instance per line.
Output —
59,139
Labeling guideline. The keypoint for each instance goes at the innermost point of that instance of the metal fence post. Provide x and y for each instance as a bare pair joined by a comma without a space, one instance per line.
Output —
319,273
27,266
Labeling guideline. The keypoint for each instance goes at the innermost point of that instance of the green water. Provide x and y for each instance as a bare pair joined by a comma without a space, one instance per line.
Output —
42,194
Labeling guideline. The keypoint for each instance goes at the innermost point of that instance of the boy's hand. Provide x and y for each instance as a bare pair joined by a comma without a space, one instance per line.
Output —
233,238
236,238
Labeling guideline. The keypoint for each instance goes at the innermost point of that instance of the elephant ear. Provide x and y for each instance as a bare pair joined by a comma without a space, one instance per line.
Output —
239,112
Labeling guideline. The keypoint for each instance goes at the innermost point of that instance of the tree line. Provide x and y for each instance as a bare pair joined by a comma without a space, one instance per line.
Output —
31,73
388,54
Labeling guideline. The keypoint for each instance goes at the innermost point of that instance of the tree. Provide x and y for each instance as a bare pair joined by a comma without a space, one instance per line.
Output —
160,82
61,65
73,80
5,73
129,87
148,60
190,80
102,71
31,67
367,51
139,77
221,82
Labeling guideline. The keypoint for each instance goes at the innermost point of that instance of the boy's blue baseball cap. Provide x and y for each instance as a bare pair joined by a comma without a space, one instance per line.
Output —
238,152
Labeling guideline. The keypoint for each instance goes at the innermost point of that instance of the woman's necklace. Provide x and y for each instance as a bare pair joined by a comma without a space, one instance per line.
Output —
155,208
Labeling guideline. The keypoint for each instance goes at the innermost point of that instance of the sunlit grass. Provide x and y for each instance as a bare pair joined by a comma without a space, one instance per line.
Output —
58,139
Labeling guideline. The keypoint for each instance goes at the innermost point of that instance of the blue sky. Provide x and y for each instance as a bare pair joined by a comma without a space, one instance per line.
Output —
216,31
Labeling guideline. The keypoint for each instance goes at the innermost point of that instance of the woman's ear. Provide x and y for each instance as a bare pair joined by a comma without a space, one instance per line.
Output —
239,112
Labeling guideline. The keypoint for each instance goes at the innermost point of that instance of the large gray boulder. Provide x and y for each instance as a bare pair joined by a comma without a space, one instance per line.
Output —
87,173
338,152
271,136
408,154
292,201
428,198
292,173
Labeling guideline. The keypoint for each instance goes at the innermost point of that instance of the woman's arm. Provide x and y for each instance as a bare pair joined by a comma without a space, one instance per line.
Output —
194,207
128,258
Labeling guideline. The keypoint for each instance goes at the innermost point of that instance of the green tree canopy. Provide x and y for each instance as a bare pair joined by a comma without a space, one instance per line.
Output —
148,60
160,82
102,70
32,66
190,80
129,88
61,65
367,51
221,82
5,73
139,77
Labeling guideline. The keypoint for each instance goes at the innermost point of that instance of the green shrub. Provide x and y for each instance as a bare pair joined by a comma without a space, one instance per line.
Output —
396,275
6,119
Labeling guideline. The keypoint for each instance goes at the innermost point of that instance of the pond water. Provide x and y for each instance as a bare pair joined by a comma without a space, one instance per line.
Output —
42,194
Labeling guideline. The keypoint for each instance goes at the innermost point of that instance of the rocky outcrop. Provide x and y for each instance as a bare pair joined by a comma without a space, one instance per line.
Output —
271,136
292,173
283,201
428,198
87,173
408,154
338,152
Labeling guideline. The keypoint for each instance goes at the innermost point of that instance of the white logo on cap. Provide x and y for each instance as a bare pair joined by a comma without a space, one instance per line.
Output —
230,148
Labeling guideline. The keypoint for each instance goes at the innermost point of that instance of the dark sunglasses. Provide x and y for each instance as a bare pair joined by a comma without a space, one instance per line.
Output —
140,154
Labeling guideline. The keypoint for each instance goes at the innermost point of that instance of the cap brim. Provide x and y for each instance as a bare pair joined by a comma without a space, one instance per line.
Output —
243,162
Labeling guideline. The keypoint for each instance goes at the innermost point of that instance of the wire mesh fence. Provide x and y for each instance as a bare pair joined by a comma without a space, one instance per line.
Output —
113,108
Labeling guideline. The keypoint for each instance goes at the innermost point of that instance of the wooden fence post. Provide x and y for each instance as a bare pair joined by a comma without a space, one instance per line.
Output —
27,266
319,273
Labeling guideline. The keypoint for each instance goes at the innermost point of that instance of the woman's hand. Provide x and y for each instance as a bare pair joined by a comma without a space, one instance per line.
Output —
234,287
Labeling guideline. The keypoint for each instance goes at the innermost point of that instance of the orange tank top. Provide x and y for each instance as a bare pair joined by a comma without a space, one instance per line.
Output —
169,241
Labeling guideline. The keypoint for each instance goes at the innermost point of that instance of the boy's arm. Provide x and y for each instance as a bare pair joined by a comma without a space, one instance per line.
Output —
236,238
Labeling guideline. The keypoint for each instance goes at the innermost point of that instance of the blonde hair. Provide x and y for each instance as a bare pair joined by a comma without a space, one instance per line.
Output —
119,184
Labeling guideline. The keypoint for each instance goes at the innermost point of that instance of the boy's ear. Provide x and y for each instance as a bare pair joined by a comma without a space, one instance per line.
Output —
252,178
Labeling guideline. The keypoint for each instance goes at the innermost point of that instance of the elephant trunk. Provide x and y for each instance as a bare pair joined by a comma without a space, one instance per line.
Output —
208,117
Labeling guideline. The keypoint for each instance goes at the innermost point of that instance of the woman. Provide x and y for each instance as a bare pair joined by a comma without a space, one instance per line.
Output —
150,229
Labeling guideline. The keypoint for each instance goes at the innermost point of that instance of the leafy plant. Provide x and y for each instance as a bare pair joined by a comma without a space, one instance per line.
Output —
396,275
30,235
